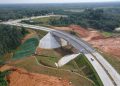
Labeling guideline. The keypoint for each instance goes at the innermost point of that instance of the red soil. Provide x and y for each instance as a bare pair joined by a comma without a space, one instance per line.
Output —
82,32
108,45
20,77
75,28
31,34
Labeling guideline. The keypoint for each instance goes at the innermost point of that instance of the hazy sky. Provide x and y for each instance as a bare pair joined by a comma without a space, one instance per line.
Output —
52,1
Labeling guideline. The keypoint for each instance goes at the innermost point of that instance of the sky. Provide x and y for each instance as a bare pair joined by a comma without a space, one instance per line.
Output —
52,1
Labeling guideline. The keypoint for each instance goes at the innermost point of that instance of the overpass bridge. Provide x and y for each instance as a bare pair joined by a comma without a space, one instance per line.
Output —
105,71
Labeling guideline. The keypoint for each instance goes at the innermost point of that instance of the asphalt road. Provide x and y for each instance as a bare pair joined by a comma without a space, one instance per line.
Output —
106,72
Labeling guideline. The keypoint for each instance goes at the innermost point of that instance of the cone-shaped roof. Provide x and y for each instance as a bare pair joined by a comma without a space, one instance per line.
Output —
48,42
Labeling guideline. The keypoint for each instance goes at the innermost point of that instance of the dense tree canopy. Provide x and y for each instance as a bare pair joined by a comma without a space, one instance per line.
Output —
94,18
3,81
10,37
104,16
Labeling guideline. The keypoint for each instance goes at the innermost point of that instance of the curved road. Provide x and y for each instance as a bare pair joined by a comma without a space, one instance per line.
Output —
106,72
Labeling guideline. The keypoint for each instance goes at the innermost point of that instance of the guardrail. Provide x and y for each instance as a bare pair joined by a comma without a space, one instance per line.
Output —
83,46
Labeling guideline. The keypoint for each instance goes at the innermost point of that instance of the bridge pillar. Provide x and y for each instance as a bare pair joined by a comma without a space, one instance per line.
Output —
61,41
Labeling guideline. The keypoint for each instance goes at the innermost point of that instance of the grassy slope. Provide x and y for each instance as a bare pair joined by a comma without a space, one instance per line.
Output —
47,66
88,69
6,57
29,46
49,57
26,49
44,21
31,65
40,33
114,61
107,34
79,65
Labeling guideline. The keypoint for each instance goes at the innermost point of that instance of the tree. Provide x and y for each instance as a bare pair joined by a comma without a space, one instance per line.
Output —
10,38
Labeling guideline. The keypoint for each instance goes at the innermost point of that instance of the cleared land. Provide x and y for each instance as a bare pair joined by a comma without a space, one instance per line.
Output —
20,77
105,42
80,66
44,21
30,65
46,59
33,79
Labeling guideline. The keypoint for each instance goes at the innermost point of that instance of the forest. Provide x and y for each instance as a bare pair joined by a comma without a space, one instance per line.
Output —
3,80
13,11
10,37
100,19
90,18
100,16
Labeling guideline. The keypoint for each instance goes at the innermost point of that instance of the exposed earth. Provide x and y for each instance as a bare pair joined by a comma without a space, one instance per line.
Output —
109,45
32,33
20,77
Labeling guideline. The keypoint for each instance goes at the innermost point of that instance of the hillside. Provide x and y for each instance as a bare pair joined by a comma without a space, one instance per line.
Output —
10,38
106,44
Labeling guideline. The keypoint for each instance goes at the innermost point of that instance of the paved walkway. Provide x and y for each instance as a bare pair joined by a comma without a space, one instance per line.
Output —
64,60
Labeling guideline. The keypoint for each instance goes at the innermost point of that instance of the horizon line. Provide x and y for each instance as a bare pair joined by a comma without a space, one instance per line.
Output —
63,2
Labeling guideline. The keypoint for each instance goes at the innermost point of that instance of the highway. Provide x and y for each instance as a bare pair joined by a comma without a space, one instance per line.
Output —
105,71
105,74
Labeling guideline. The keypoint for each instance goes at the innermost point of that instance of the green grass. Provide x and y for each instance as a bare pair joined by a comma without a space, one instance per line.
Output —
6,57
80,65
107,34
50,62
88,69
30,65
26,49
41,33
114,61
49,57
44,21
47,61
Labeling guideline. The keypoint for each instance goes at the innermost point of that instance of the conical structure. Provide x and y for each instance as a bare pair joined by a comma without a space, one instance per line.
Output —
49,42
